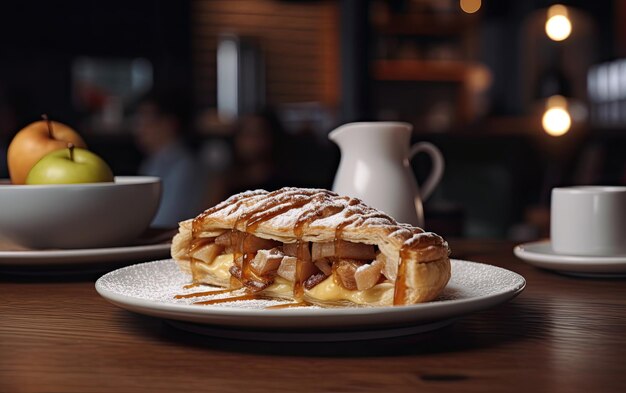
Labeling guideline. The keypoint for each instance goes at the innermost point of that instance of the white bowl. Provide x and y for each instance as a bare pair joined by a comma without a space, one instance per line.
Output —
86,215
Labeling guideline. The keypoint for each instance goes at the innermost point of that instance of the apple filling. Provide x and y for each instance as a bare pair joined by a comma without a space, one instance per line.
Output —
337,270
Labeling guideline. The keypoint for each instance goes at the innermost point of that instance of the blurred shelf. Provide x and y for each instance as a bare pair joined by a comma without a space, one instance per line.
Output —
421,70
433,25
434,47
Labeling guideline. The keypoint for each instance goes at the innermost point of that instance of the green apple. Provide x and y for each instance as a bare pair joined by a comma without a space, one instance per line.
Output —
71,165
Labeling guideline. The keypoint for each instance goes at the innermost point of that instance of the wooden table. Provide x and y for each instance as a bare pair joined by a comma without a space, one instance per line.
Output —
562,334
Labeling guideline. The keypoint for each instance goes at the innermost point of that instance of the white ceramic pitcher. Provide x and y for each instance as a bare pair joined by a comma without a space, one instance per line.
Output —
375,168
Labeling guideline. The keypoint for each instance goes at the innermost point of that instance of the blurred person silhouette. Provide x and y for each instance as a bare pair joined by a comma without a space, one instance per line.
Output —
259,144
161,123
7,126
14,114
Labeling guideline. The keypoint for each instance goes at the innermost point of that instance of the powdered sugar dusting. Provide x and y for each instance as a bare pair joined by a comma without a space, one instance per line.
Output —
474,280
161,281
287,219
324,208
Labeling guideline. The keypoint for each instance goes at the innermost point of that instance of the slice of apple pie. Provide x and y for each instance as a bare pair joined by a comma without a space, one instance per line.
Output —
313,246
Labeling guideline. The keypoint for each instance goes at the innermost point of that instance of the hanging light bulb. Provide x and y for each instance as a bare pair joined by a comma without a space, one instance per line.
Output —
470,6
556,119
558,24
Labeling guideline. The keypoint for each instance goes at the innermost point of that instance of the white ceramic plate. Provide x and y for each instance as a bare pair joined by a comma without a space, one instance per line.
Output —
149,289
83,256
540,254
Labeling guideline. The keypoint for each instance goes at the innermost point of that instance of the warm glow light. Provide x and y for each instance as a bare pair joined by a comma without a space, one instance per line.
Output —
556,121
558,25
556,101
470,6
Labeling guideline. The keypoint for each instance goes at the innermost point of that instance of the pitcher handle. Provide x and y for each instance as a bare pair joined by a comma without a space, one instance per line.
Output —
438,166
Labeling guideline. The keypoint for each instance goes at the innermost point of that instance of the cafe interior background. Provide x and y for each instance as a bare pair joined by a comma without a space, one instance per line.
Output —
520,96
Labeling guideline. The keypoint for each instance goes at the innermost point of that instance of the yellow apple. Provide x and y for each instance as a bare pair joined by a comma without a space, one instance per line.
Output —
35,141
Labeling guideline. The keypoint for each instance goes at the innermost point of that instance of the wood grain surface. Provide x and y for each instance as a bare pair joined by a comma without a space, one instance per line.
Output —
562,334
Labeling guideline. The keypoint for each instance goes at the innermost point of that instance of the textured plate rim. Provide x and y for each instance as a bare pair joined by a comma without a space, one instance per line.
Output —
139,305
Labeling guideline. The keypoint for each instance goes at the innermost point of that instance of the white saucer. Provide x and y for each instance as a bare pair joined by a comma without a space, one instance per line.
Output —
149,288
50,258
540,254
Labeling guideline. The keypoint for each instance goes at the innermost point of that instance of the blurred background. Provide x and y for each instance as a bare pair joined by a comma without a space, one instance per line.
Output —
219,96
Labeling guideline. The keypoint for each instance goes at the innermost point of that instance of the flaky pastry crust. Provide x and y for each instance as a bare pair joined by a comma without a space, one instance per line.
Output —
315,215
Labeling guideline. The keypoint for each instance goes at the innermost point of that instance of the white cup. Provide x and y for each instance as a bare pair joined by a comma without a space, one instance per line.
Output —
588,220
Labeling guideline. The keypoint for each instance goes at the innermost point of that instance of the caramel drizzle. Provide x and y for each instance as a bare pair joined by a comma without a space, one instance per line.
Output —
350,218
193,285
254,220
276,203
246,271
196,226
252,296
250,279
271,201
289,305
195,245
298,285
235,283
399,292
246,276
234,201
313,214
302,251
198,243
207,293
